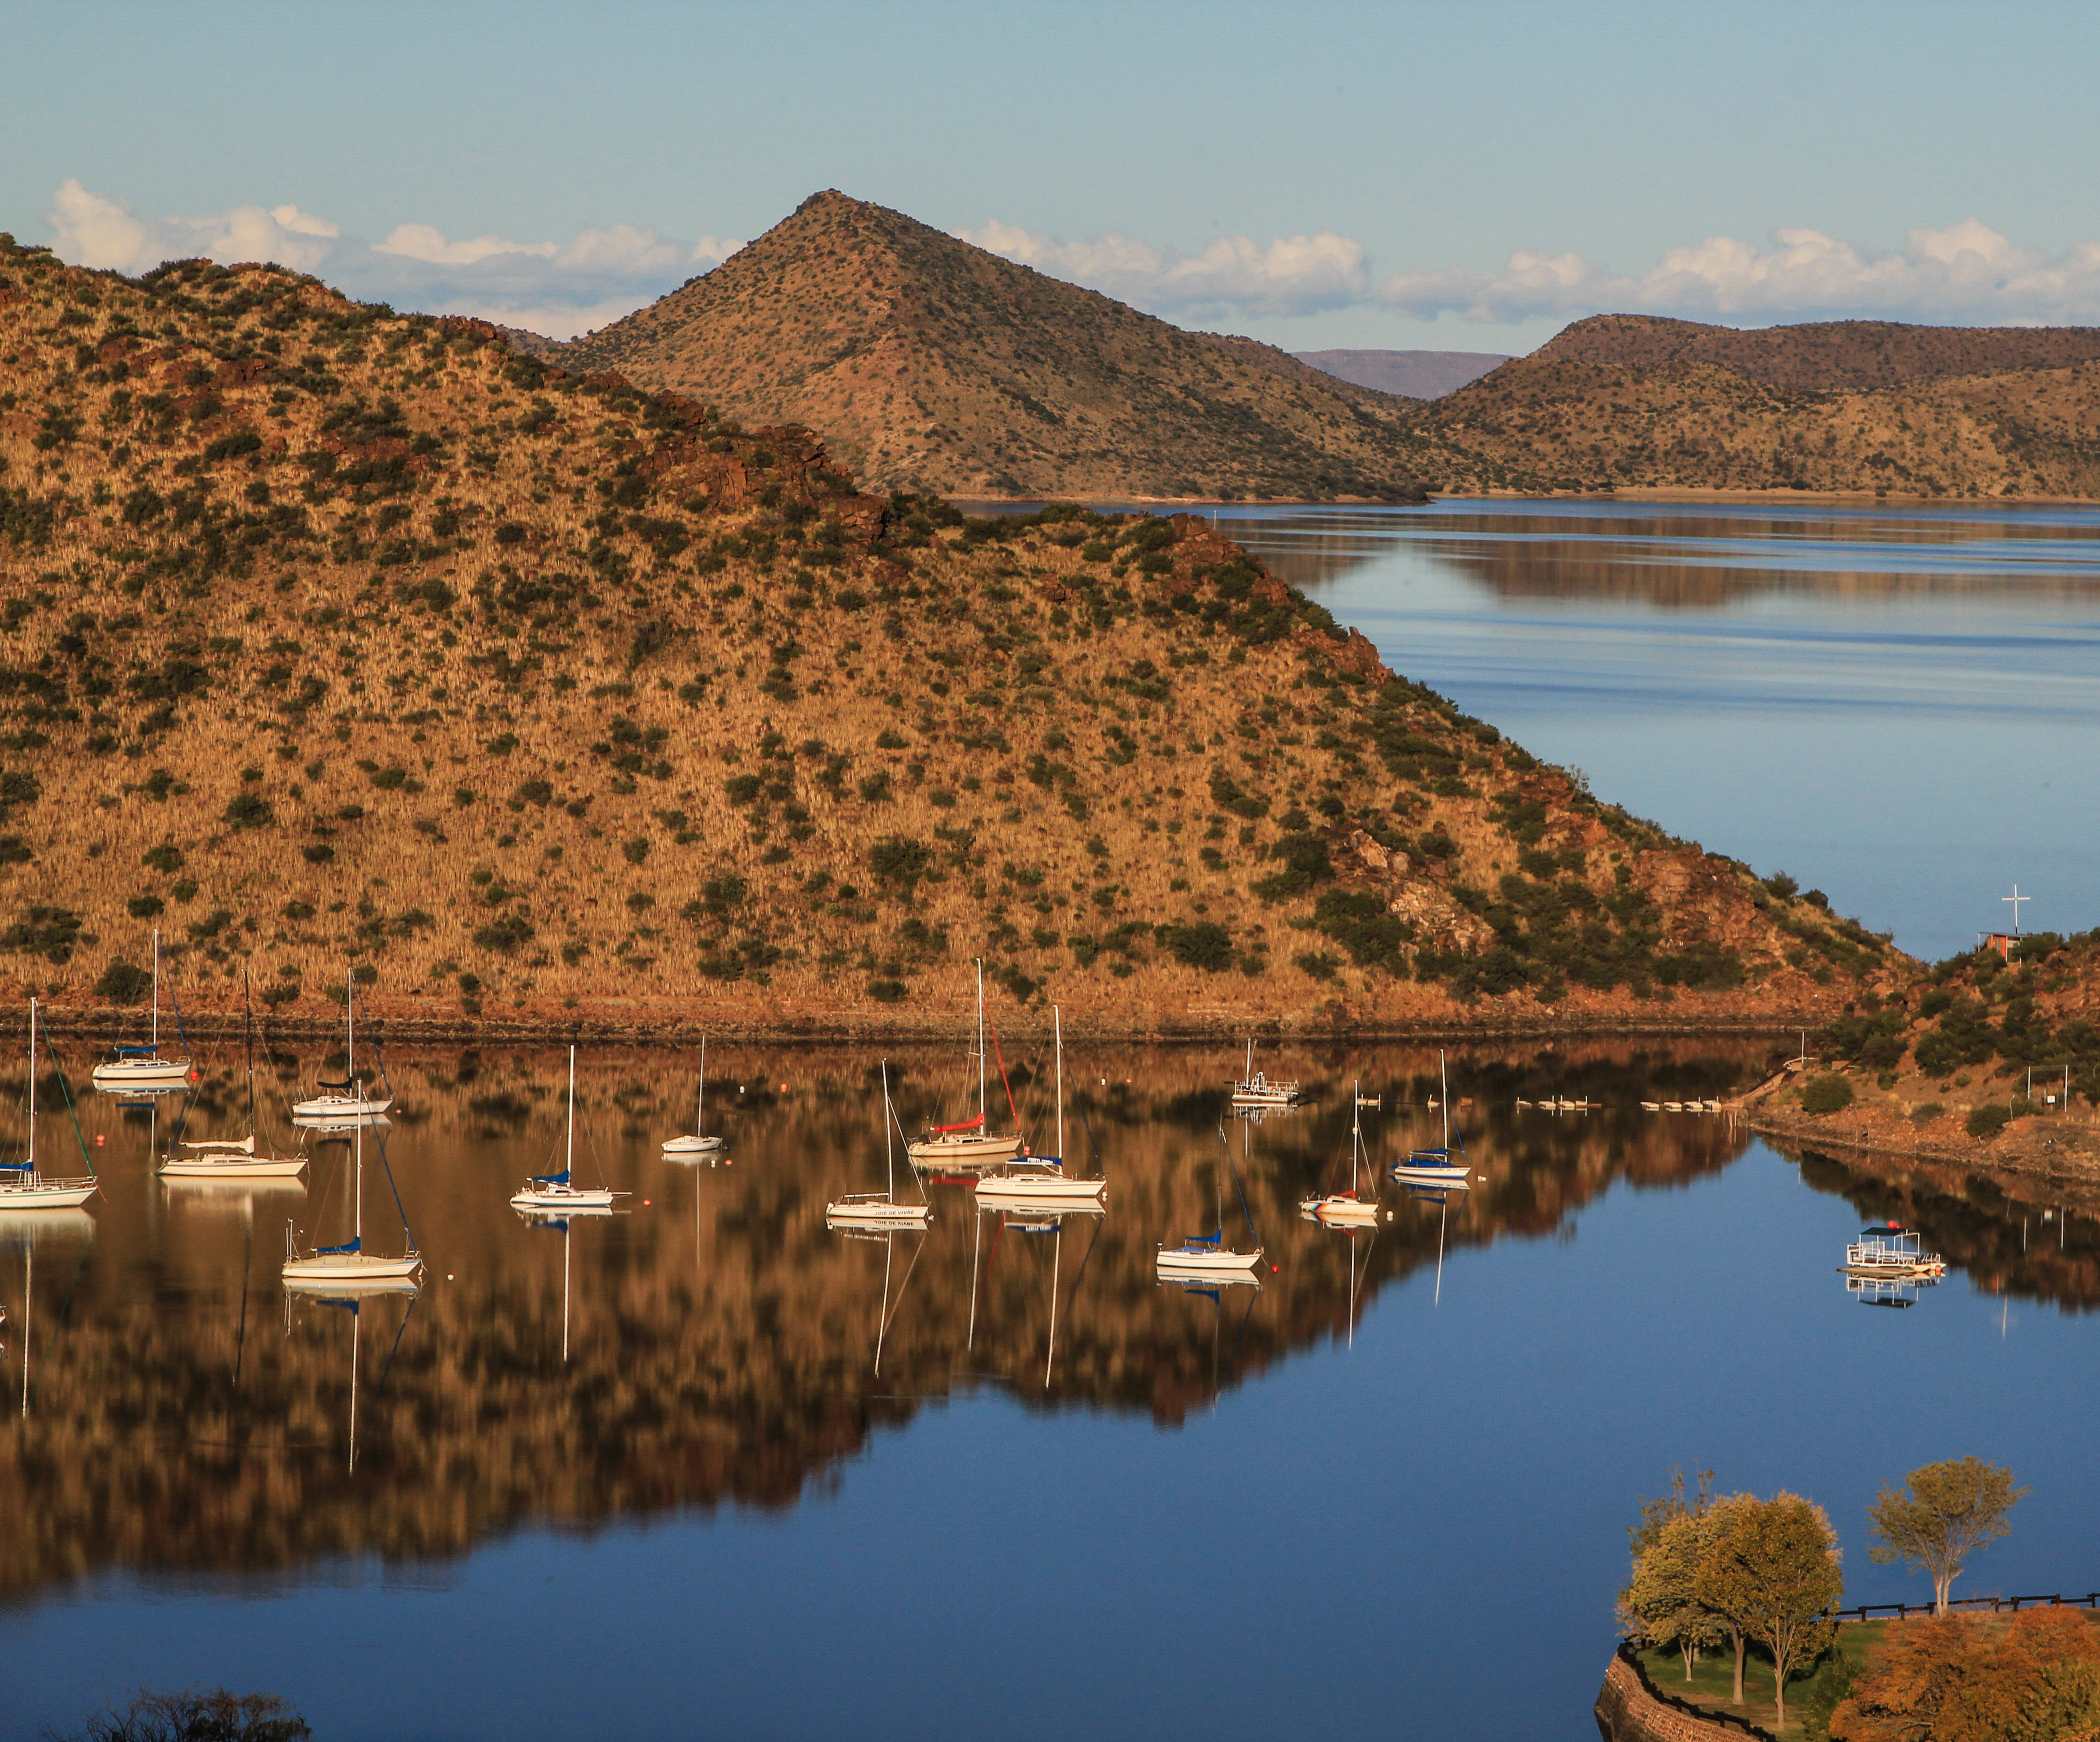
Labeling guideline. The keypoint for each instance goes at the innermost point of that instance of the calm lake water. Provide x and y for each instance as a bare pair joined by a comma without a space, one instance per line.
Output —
702,1461
1902,709
704,1464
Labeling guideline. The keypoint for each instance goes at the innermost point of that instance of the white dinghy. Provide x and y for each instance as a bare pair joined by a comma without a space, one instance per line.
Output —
1206,1255
349,1266
345,1104
142,1067
1042,1178
1435,1167
228,1159
879,1209
22,1188
696,1146
557,1194
968,1144
1345,1209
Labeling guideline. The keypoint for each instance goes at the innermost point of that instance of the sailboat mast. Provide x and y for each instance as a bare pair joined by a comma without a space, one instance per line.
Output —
1057,1016
888,1142
1444,1101
1355,1133
349,1010
701,1111
357,1232
33,1087
569,1157
156,991
984,1127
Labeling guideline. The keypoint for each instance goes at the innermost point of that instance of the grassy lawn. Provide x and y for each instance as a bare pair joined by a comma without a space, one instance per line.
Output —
1712,1678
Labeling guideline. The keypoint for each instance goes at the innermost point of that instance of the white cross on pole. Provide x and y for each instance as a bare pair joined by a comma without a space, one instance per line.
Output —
2016,898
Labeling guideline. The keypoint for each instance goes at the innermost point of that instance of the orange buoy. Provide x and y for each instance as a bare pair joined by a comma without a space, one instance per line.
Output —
645,1203
99,1140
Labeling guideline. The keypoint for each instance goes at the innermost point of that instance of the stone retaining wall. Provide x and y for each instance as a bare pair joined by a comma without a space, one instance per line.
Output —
1626,1712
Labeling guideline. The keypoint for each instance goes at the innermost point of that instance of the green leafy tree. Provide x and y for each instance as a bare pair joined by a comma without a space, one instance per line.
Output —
1944,1514
1770,1572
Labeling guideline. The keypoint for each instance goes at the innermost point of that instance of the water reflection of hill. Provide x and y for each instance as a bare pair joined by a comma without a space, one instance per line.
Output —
721,1343
1695,561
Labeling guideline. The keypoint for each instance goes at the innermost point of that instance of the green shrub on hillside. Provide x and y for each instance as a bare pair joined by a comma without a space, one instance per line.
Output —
1827,1093
1986,1122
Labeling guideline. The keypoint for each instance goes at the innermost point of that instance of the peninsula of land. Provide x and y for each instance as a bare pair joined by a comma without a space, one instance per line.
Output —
330,635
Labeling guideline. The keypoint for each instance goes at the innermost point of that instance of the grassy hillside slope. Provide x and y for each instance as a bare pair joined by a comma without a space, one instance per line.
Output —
330,634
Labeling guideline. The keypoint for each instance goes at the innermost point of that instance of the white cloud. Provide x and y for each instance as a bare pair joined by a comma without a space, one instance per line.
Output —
92,229
556,288
1967,273
1294,275
420,242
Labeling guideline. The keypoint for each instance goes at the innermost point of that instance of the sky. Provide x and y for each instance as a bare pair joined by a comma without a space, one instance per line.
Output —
1450,177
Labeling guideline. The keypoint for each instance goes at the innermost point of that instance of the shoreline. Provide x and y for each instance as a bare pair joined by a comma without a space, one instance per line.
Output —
602,1025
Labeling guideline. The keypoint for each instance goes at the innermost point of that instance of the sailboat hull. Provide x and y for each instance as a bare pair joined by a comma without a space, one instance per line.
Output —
549,1199
1039,1188
141,1073
233,1167
1207,1262
963,1151
348,1269
338,1109
692,1148
368,1284
878,1212
45,1194
1444,1178
1339,1212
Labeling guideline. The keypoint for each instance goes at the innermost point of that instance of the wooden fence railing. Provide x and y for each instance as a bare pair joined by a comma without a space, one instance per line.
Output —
1903,1612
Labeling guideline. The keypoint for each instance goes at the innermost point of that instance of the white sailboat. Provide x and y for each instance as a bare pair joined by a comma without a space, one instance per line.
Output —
1435,1167
1042,1178
22,1188
228,1159
344,1103
968,1144
142,1067
699,1146
879,1209
1254,1088
1345,1209
336,1269
1207,1255
557,1192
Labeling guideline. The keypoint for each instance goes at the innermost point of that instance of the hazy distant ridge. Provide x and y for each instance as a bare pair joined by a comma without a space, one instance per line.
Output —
1412,374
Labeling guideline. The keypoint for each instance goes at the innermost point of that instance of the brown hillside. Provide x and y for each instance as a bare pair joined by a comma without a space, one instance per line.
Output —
327,633
927,364
1822,357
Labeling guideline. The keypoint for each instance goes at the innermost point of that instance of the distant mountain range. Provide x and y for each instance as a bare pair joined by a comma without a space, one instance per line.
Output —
1411,374
926,363
1623,402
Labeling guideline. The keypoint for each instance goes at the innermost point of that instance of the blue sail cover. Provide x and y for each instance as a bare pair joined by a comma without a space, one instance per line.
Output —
560,1178
348,1082
133,1052
17,1167
352,1244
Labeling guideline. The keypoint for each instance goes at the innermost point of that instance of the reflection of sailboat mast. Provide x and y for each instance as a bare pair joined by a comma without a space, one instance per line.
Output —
1442,1212
28,1311
882,1322
356,1326
977,1250
565,1291
1056,1256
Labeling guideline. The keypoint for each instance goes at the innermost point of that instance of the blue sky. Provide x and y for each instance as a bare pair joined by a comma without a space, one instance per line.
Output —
1461,177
